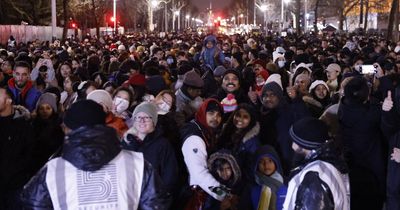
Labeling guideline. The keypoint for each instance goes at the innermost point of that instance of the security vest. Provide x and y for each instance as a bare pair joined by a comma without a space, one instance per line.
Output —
117,185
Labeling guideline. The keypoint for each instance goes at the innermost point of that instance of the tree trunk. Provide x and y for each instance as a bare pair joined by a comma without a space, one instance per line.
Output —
341,17
316,16
65,14
298,8
394,8
366,15
96,23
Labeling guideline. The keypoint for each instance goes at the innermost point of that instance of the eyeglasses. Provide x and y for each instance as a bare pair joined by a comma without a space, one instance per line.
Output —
143,119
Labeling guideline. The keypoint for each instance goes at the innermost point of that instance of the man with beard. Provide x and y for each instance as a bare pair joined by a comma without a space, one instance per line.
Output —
231,85
321,180
277,115
22,87
199,136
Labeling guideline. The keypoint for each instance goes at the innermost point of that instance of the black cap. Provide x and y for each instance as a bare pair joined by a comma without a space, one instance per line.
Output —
84,113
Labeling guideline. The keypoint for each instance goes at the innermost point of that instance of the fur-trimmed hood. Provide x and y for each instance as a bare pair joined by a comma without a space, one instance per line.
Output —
252,133
225,154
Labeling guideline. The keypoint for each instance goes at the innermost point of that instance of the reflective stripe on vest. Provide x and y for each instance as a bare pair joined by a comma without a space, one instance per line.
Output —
116,185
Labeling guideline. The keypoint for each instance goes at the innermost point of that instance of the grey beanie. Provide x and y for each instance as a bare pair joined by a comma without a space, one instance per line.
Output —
219,71
48,98
148,108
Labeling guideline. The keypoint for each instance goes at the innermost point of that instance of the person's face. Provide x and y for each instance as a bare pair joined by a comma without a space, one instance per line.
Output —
332,75
65,71
324,44
209,45
75,64
163,63
266,166
258,68
6,66
302,84
321,91
194,92
165,98
143,123
3,100
213,119
45,111
159,55
225,172
225,48
98,80
68,84
230,83
21,75
270,100
122,94
241,119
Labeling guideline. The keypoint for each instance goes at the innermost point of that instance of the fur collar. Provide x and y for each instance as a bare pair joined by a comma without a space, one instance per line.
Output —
253,132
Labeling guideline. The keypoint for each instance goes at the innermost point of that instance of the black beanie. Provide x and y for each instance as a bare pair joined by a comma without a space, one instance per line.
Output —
275,88
356,90
232,71
309,133
214,106
84,113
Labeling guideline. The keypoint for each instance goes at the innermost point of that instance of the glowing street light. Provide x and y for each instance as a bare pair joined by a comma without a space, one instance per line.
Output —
154,3
263,7
177,13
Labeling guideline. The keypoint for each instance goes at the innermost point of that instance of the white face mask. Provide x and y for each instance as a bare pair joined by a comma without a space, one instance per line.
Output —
120,104
281,64
164,107
260,81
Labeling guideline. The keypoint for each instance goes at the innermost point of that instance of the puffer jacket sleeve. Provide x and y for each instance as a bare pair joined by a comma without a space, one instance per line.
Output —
153,197
35,195
314,194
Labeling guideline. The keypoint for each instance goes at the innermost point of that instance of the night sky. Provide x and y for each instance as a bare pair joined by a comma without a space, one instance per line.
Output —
216,4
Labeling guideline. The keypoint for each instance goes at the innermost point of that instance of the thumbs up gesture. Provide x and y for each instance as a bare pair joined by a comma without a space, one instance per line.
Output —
252,95
388,102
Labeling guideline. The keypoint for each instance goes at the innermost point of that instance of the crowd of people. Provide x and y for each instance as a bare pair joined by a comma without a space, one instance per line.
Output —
188,121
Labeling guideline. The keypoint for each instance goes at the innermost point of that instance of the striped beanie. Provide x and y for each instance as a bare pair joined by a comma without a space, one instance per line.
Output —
309,133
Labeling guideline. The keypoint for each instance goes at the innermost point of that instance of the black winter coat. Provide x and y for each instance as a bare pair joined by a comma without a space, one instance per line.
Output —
159,152
16,141
364,153
102,142
390,125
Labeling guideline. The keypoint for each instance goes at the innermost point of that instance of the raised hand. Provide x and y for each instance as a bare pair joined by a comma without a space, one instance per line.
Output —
388,102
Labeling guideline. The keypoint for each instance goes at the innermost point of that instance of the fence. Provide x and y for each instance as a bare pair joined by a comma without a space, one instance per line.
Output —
25,33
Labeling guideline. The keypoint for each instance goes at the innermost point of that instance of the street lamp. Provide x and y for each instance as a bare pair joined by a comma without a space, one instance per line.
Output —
115,15
187,19
241,17
264,8
154,3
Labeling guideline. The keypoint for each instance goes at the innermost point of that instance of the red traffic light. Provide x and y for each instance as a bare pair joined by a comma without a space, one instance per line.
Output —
73,25
112,19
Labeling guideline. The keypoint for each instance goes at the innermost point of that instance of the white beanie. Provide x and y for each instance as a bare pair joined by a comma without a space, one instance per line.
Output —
276,55
280,50
274,78
132,48
316,83
121,47
102,97
304,66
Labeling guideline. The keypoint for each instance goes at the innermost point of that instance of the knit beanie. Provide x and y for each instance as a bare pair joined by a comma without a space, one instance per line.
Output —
274,87
101,97
193,79
48,98
275,78
232,71
148,108
219,71
316,83
309,133
84,113
238,56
